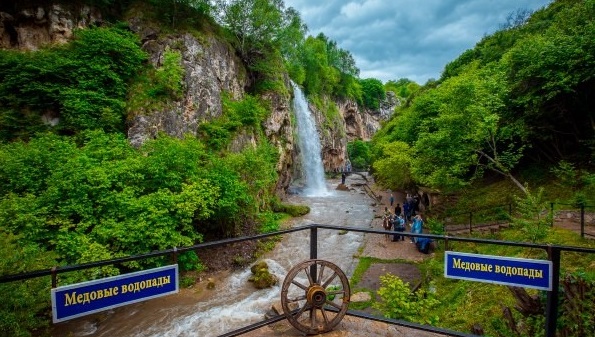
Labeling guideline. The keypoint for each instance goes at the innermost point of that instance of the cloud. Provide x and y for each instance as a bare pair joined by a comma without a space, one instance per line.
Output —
406,38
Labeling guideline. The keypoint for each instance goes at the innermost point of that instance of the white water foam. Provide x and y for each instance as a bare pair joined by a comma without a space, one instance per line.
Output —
310,149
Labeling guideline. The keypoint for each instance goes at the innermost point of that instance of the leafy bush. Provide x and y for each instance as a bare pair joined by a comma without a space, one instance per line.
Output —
22,309
397,301
534,218
82,84
359,154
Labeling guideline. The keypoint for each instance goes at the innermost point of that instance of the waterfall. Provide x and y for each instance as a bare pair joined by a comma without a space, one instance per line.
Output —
309,143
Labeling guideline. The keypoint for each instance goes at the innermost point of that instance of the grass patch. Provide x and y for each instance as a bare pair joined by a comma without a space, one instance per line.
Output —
363,305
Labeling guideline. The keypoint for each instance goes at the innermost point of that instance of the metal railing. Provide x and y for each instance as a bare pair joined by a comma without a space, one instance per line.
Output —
581,208
553,251
473,218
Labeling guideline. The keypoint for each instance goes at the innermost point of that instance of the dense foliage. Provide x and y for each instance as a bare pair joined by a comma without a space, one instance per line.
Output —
520,96
358,152
73,190
86,81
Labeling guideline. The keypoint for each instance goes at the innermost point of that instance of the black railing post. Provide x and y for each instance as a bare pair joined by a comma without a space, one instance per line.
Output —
175,255
313,250
54,277
582,221
552,213
470,222
551,309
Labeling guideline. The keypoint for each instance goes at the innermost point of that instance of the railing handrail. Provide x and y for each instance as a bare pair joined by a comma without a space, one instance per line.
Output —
553,251
70,268
474,210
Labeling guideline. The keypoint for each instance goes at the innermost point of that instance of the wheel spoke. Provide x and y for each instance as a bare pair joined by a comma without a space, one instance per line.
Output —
312,317
301,311
336,292
324,315
319,280
296,283
296,299
309,276
333,304
329,280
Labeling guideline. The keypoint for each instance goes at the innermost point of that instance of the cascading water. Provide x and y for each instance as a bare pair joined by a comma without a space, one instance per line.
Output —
235,302
310,149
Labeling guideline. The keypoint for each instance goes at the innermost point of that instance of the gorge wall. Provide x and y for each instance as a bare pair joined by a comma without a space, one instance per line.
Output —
211,68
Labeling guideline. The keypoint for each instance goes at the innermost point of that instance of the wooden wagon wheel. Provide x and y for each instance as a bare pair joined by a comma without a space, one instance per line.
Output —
309,290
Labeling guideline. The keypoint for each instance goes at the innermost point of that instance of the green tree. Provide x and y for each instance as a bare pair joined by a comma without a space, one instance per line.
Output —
83,84
467,132
393,168
372,93
403,87
23,308
255,24
359,154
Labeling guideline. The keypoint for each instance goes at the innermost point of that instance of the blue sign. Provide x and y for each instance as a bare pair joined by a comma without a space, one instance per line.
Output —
509,271
98,295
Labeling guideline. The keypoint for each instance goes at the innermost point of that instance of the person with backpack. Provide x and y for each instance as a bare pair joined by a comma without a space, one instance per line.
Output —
398,226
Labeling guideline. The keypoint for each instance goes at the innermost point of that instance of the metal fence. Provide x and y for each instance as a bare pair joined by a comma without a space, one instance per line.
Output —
554,255
479,219
575,214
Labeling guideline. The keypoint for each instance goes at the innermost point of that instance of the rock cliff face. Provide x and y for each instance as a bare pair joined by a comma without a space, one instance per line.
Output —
355,123
211,69
31,28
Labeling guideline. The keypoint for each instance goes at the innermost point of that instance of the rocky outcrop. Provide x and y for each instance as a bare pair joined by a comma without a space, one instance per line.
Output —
34,27
354,123
211,70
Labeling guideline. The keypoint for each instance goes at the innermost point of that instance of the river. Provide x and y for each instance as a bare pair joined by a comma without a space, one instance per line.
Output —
234,302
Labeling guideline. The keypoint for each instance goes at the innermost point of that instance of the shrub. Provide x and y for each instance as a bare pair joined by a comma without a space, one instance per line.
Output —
397,301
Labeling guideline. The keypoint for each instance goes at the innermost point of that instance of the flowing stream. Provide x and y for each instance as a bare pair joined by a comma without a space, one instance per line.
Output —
234,302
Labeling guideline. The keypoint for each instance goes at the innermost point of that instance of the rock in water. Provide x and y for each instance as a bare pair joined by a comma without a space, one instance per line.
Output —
261,277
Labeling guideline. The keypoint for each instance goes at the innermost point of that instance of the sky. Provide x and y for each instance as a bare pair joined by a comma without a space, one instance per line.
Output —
414,39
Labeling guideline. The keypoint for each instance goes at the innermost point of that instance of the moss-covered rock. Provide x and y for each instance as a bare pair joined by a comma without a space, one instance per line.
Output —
261,277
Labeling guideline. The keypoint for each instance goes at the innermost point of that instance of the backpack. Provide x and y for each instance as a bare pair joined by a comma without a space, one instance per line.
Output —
423,245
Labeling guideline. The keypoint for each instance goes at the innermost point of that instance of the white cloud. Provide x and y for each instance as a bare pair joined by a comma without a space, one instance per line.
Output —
406,38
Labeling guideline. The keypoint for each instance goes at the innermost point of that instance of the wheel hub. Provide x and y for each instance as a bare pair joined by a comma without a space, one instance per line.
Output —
316,296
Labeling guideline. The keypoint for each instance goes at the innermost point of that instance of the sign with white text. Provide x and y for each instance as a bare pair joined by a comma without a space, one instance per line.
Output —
85,298
509,271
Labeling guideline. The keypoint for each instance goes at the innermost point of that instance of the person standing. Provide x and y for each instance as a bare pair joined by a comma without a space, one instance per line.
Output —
416,227
343,176
398,226
392,199
406,211
398,210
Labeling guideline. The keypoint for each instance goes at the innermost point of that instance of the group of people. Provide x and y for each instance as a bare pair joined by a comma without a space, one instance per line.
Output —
410,206
397,223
